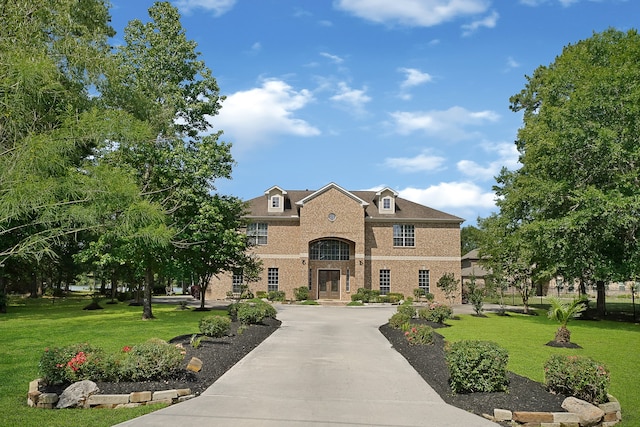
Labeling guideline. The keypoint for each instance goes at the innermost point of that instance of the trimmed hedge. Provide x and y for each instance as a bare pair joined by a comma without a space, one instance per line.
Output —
477,366
215,326
577,376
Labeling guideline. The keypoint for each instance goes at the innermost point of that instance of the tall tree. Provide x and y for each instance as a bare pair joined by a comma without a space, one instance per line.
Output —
470,238
161,82
53,55
575,200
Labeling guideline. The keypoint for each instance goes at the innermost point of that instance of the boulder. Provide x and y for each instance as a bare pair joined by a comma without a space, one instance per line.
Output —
589,414
195,364
76,394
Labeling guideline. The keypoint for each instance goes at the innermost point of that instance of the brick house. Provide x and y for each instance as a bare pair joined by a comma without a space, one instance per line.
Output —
335,241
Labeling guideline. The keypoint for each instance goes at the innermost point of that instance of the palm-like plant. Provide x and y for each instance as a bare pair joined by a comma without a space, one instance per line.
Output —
562,312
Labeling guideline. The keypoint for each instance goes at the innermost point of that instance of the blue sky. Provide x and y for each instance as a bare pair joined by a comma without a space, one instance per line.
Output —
409,94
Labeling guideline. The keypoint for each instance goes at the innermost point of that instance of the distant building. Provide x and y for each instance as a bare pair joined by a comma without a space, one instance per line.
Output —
334,241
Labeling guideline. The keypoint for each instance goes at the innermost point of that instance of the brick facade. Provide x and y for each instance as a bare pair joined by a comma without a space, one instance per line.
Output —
363,222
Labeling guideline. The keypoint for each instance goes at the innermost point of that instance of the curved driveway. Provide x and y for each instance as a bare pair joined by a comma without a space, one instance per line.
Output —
325,366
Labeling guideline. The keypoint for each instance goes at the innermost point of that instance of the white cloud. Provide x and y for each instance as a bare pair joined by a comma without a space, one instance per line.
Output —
415,13
507,156
447,124
254,116
565,3
333,58
353,99
451,195
512,63
489,21
422,162
414,77
218,7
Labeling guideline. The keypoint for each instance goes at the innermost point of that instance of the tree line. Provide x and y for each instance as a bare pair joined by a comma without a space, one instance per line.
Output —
107,158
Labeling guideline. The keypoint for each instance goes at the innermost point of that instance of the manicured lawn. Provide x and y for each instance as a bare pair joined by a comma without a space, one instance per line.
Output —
615,344
32,325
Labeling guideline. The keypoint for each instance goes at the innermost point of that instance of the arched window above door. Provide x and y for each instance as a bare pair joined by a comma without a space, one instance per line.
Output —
329,250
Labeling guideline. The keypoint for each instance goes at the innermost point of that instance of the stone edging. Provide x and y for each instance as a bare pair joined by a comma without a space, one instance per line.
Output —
609,413
37,399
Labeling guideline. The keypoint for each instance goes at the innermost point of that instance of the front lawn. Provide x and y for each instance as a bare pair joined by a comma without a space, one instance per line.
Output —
32,325
616,344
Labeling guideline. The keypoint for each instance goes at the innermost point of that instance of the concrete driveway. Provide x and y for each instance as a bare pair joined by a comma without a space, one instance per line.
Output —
325,366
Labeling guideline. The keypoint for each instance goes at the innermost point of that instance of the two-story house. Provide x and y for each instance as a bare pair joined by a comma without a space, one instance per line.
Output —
335,241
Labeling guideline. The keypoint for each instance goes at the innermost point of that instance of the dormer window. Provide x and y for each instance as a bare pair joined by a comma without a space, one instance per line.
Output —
386,201
275,202
275,199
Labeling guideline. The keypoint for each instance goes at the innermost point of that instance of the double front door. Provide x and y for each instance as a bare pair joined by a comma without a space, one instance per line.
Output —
328,284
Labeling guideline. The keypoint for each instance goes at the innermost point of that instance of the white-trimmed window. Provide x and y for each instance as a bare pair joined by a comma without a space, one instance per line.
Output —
275,202
386,203
385,281
258,232
404,235
348,281
236,282
272,279
423,280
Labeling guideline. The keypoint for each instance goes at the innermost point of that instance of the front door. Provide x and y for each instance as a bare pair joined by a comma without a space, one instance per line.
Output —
328,284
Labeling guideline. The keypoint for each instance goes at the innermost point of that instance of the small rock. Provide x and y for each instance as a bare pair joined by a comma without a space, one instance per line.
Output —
589,414
76,394
195,364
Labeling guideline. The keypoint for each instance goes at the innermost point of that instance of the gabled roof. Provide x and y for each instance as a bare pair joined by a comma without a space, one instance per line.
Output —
404,209
327,188
275,187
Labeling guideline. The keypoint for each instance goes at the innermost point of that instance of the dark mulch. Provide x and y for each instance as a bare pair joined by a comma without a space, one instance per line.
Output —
429,361
217,354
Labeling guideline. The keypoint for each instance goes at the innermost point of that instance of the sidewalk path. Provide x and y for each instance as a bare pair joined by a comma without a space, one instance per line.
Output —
325,366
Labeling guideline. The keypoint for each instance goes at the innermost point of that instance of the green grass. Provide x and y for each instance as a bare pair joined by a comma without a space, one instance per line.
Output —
32,325
615,344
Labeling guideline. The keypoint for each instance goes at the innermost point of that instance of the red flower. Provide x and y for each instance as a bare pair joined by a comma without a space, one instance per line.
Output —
126,349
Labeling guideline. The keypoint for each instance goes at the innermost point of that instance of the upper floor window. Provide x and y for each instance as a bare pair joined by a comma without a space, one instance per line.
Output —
386,203
404,235
257,232
329,250
275,202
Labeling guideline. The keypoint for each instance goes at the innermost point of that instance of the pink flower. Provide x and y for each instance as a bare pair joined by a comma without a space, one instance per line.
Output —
126,349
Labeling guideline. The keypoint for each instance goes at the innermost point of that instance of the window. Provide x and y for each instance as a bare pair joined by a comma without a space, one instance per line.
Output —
275,201
329,250
348,284
404,235
257,233
423,280
385,282
236,282
386,203
272,279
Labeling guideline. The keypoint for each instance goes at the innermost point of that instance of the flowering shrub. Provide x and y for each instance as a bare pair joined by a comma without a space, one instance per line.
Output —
408,309
151,360
75,363
436,312
577,376
419,335
477,366
398,319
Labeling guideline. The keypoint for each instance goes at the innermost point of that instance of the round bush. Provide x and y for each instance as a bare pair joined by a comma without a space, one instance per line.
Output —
577,376
152,360
419,335
477,366
407,309
398,319
215,326
76,362
301,293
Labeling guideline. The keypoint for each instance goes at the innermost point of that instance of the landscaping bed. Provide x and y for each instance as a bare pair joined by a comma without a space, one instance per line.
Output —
429,361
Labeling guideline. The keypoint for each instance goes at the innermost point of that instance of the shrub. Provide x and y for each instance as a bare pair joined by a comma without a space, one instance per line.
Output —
438,313
420,335
419,293
254,312
261,294
301,293
76,363
424,313
365,295
355,303
395,297
477,366
152,360
398,319
215,326
577,376
407,309
278,296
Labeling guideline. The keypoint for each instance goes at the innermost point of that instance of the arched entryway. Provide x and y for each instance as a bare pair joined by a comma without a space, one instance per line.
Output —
330,267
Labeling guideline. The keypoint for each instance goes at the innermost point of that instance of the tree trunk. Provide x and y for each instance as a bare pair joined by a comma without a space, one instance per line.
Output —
34,286
563,335
3,295
114,286
600,302
148,293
